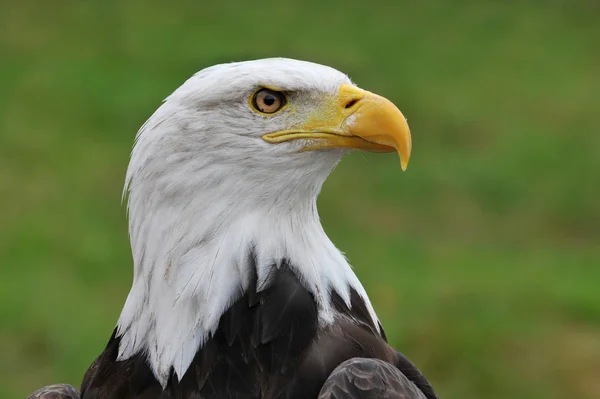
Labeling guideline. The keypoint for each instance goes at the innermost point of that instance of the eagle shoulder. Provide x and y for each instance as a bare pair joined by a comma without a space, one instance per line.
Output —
57,391
363,378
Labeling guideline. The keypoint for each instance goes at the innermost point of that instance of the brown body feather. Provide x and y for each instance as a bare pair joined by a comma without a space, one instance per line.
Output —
269,345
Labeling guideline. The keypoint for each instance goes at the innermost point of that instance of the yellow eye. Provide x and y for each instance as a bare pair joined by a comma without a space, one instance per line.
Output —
268,101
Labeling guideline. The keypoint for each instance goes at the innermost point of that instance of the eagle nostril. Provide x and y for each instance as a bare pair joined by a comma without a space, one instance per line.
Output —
351,103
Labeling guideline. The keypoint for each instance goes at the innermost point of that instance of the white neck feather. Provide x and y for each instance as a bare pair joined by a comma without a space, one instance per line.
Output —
180,291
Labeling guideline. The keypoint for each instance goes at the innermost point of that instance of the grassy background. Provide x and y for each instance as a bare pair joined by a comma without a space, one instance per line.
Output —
483,260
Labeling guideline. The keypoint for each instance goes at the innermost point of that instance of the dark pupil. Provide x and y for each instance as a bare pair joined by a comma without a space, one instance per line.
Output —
269,99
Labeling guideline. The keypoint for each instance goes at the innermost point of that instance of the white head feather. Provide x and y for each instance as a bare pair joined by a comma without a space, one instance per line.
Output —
205,189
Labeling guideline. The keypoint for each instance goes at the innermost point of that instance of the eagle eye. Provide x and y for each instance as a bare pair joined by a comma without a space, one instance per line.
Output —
268,101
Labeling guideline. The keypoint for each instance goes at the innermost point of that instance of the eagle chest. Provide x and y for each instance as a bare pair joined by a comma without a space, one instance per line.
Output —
268,345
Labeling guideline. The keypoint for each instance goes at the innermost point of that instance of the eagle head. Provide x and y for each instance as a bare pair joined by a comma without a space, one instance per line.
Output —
230,164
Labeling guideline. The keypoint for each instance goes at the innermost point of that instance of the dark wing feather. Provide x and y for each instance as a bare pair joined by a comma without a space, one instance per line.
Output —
362,378
59,391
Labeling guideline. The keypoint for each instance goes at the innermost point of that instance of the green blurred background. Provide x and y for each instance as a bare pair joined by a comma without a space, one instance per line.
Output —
483,260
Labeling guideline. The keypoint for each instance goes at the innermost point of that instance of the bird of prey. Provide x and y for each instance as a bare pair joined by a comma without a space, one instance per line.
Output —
237,290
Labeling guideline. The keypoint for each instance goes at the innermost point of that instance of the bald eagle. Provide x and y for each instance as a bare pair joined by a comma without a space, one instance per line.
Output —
237,290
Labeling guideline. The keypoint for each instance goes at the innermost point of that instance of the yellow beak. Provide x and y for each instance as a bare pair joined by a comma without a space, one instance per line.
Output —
354,119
